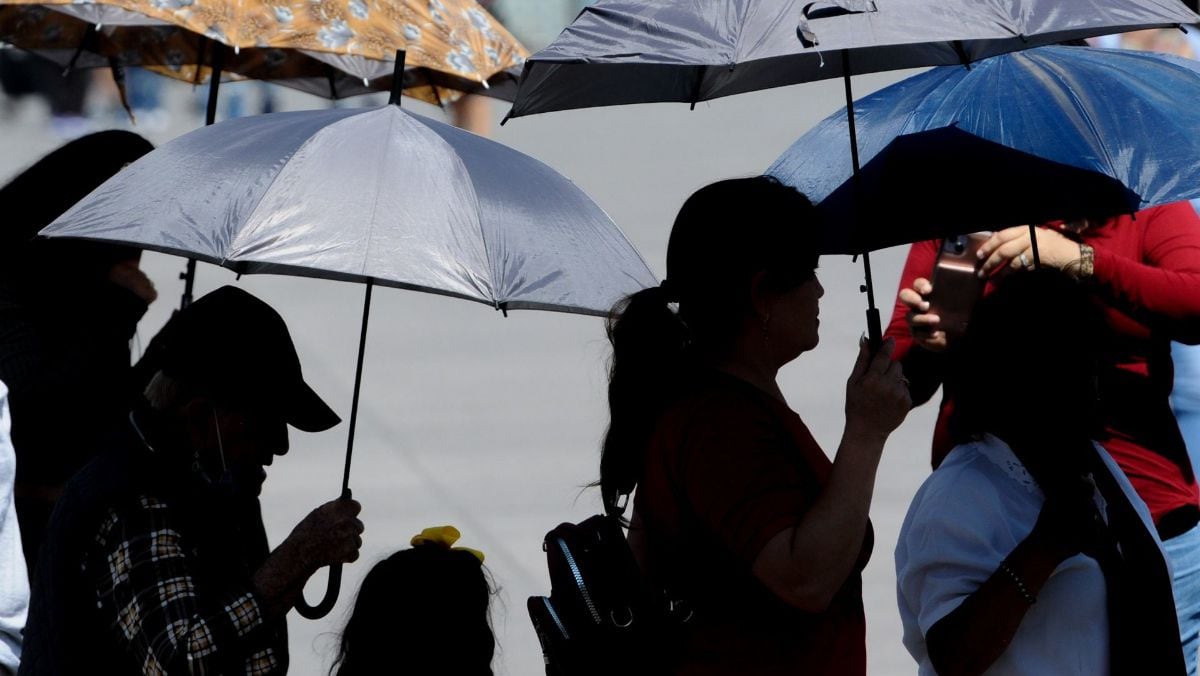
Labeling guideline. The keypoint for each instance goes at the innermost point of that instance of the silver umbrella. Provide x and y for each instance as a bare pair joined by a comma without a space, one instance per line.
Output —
373,195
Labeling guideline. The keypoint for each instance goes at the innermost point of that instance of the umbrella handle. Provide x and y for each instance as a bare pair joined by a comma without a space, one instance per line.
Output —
332,588
331,596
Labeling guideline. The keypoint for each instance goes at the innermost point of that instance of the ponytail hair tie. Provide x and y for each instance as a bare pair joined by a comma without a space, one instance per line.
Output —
445,537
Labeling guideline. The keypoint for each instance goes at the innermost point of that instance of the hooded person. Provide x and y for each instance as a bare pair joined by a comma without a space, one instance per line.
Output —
68,309
156,559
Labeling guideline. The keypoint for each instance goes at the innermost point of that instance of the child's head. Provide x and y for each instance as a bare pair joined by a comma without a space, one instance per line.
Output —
421,610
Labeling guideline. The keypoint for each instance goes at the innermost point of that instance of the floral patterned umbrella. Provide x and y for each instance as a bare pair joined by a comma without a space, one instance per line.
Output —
332,48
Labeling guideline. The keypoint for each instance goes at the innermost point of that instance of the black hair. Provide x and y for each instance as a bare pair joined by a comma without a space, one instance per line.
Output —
424,609
1029,362
725,234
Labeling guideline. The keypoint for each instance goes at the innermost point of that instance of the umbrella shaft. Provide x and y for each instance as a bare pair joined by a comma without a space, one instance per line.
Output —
362,348
214,82
850,111
398,79
874,324
1033,245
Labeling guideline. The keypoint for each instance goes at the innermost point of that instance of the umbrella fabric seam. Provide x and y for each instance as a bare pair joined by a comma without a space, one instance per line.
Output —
487,254
375,202
253,215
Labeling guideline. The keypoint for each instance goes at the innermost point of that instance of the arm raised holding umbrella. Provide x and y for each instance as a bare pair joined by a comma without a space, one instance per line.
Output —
157,558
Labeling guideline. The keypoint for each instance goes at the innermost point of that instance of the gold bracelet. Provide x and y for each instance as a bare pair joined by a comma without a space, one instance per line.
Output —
1086,265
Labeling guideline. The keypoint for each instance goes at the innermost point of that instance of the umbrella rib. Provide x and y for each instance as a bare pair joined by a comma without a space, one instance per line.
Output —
487,254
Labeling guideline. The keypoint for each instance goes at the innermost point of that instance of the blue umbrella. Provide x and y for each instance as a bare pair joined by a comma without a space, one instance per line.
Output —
1130,116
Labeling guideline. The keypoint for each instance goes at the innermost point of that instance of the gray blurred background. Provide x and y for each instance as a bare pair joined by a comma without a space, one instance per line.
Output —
494,424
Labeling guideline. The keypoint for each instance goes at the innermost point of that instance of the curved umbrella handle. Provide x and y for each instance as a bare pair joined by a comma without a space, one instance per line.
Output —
331,596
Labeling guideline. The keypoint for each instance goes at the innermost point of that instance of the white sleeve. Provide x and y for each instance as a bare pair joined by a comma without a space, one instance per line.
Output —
957,536
14,582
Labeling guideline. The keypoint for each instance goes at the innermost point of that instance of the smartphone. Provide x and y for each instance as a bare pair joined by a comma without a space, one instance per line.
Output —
956,282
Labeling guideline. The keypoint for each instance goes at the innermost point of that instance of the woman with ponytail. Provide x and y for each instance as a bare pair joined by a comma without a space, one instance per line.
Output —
738,511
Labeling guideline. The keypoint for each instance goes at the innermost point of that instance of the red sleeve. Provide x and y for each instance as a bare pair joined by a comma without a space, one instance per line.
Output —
1163,288
920,367
742,475
922,256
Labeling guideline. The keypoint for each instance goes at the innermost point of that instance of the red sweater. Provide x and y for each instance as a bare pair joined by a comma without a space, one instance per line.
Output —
1147,278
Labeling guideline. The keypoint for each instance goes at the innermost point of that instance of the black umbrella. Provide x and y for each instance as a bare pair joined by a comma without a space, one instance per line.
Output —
969,173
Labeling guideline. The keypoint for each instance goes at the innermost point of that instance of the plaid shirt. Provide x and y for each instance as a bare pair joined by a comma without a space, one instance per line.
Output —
143,572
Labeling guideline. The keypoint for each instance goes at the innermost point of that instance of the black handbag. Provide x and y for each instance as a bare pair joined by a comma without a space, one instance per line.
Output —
602,615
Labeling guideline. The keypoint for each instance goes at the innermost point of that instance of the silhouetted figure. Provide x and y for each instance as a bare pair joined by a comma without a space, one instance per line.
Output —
156,560
422,610
738,511
68,310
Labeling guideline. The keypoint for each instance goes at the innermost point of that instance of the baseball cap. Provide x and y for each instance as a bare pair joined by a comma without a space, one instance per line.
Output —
232,346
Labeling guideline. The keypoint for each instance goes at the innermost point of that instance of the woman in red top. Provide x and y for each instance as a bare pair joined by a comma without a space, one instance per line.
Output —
738,511
1144,271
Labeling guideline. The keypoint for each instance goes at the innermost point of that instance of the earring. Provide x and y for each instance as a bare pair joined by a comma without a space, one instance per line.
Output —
766,329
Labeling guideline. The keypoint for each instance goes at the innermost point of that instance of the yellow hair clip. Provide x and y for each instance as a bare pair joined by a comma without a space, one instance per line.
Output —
443,536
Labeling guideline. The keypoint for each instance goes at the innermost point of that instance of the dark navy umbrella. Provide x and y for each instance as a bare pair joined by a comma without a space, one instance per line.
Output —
943,182
1036,123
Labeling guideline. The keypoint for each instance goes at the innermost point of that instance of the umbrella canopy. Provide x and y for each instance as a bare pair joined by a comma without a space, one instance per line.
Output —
369,194
943,182
324,48
1129,116
641,51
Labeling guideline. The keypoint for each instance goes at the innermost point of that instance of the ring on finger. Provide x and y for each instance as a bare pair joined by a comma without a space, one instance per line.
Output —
1024,260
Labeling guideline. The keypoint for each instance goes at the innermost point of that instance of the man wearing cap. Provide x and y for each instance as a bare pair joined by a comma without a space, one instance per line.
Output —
156,560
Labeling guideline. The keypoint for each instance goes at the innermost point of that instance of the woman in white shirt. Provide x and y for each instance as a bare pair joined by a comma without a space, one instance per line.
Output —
1027,551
